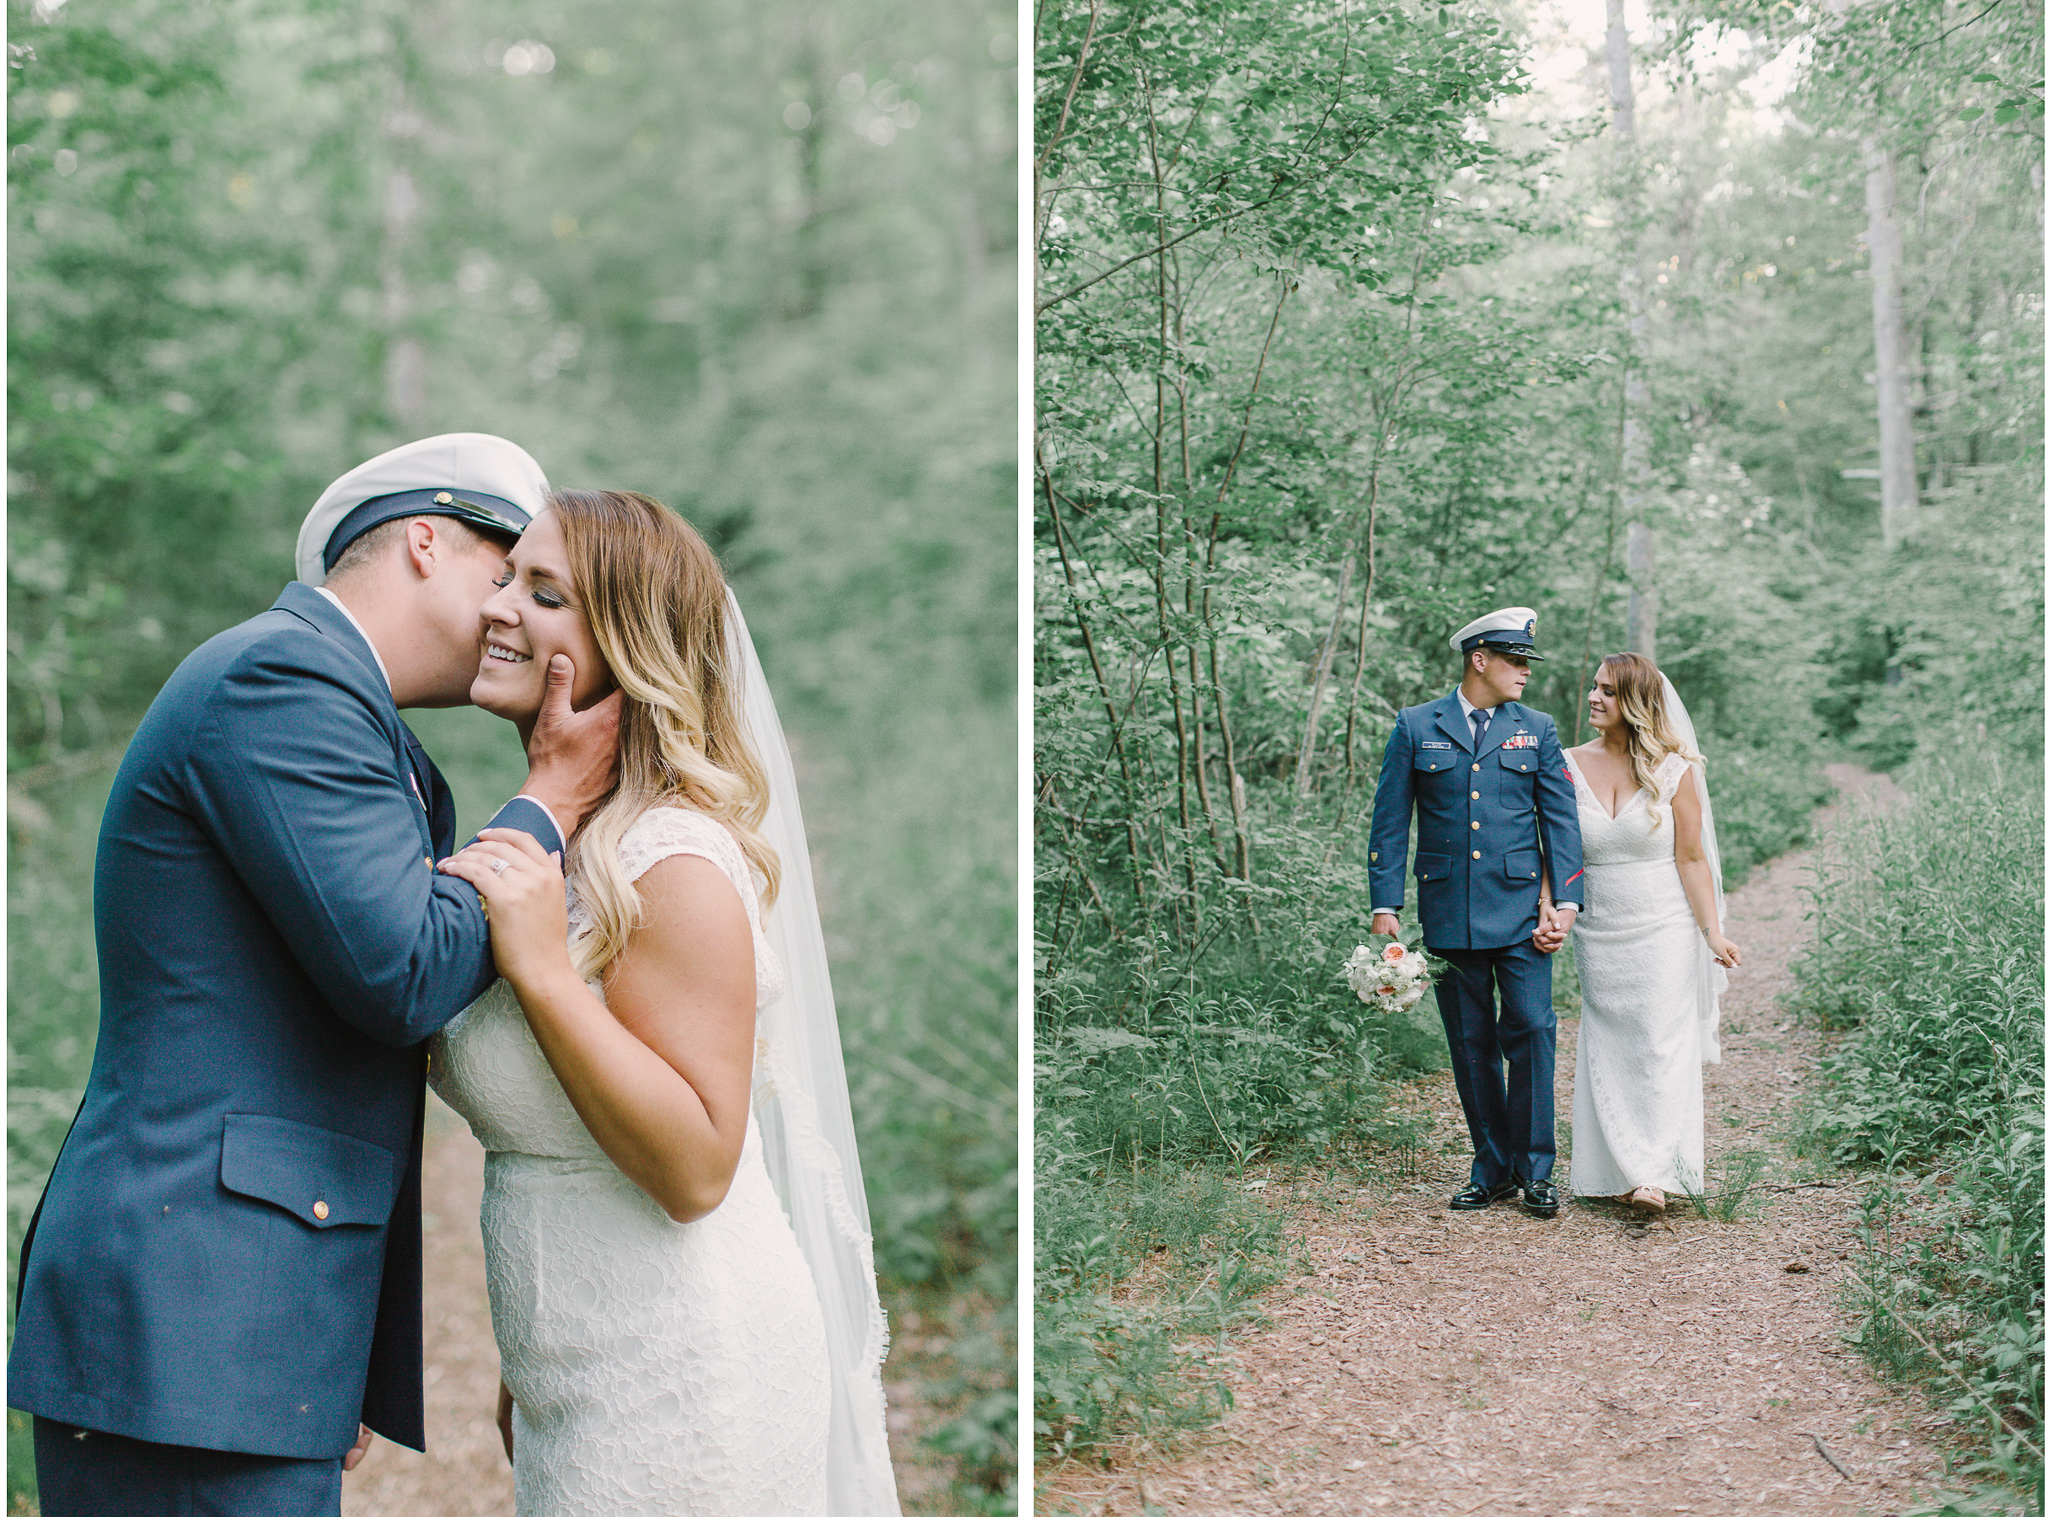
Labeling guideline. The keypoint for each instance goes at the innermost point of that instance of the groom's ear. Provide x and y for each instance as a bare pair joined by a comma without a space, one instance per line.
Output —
425,545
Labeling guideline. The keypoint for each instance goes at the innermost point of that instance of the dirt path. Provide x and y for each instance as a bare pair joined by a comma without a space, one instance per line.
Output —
464,1473
1455,1364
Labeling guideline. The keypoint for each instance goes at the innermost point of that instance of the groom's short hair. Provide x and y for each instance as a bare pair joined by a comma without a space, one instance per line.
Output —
375,543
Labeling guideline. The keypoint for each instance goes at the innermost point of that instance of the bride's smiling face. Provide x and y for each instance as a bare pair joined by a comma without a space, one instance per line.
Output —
1603,704
534,615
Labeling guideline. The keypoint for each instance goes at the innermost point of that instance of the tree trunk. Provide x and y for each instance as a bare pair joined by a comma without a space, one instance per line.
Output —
405,128
1642,539
1619,89
1324,656
1897,479
1642,593
405,361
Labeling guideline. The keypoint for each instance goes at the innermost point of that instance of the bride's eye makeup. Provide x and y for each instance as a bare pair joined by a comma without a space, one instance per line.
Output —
543,594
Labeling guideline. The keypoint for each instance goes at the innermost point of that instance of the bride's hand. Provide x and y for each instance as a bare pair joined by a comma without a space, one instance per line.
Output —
525,898
1725,953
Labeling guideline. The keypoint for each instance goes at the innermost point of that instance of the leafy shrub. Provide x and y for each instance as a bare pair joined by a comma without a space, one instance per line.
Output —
1132,1265
1927,955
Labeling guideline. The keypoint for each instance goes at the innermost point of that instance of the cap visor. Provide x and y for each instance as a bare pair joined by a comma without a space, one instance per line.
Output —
483,521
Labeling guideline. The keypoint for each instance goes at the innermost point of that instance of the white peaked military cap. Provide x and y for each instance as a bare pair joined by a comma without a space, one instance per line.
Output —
1511,629
492,484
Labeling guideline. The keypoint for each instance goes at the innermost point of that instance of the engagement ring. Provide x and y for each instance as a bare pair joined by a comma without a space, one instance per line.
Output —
498,865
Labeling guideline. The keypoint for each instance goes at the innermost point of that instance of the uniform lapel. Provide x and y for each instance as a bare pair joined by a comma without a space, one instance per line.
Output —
310,605
1451,717
432,793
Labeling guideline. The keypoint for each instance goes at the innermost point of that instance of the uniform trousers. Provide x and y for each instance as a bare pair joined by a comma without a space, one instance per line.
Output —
82,1473
1513,1122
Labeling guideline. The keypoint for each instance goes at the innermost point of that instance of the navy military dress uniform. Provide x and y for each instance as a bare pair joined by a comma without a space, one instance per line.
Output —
1492,816
222,1278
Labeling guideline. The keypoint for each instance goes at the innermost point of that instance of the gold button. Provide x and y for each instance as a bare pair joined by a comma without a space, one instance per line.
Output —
1475,768
1475,795
320,1207
1475,853
1375,857
442,499
1475,826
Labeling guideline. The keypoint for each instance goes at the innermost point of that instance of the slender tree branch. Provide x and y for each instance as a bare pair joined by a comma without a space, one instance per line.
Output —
1073,84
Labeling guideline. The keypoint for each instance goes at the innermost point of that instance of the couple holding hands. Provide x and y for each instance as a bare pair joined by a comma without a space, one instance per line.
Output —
220,1293
1521,843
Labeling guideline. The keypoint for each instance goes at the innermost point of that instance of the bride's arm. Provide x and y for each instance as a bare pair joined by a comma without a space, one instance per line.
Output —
661,1071
1694,872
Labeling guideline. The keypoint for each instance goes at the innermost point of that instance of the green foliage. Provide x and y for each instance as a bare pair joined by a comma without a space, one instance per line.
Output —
1308,399
1133,1266
1927,953
1146,1235
1733,1196
1228,1079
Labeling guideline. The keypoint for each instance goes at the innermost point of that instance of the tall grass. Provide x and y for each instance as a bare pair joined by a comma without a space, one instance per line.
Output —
1927,957
1141,1274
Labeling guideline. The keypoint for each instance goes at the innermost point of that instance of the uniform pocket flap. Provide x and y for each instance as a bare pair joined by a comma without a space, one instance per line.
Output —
1524,865
325,1179
1432,866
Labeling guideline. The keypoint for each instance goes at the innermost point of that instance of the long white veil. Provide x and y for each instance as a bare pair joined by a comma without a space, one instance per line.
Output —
806,1119
1712,979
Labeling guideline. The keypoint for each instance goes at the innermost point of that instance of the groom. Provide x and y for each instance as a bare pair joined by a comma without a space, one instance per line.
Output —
1498,824
222,1280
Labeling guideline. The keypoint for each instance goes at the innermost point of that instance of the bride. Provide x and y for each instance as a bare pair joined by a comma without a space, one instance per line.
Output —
1651,953
681,1276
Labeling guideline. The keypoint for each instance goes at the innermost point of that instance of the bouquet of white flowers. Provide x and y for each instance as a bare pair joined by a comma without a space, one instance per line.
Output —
1394,978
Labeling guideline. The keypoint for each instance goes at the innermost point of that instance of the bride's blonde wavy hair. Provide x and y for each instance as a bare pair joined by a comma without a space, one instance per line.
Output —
655,599
1639,694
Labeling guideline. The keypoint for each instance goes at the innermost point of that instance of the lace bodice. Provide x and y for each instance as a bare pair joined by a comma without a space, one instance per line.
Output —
1641,831
658,1368
666,831
1636,1102
486,1063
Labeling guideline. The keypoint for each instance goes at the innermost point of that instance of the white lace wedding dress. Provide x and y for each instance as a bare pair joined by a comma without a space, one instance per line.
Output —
659,1368
1637,1116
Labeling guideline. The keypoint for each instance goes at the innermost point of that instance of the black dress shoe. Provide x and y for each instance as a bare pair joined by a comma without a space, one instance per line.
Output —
1477,1197
1539,1198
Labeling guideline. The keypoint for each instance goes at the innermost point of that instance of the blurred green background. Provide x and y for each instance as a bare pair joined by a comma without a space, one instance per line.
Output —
756,260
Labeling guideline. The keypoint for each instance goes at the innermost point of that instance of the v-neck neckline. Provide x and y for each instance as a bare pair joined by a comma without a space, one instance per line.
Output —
1613,816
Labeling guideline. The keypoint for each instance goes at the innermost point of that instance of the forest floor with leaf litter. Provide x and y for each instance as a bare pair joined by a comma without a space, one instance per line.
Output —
1449,1364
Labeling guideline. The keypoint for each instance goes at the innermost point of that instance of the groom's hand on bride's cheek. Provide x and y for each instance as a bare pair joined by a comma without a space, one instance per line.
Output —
572,756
